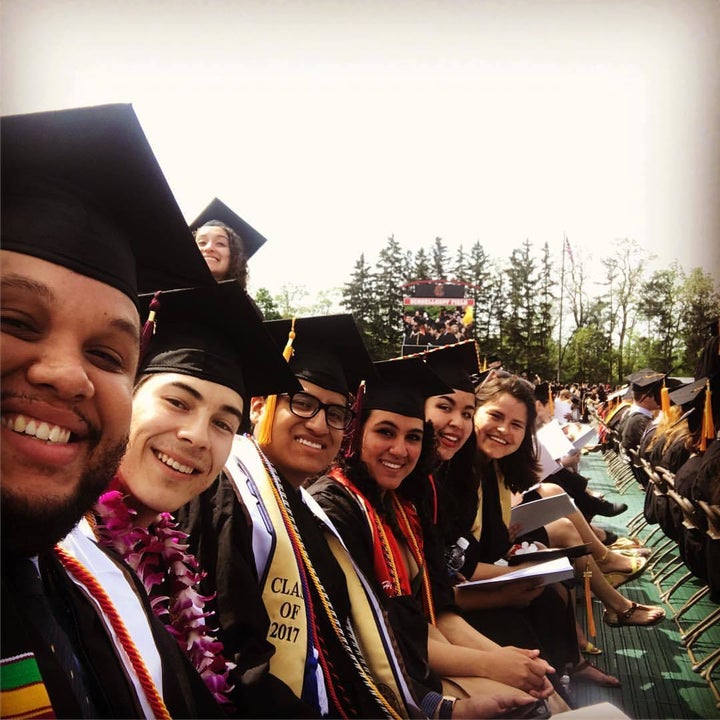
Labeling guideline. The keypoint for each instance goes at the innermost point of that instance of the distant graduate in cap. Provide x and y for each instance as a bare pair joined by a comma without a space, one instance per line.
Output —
226,241
701,401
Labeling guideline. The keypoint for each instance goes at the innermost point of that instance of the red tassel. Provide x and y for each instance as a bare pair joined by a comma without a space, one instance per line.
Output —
149,327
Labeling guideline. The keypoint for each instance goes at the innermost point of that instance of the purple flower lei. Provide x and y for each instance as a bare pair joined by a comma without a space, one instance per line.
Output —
159,556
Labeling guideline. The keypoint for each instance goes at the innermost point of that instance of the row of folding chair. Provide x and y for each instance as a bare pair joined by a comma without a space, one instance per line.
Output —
684,537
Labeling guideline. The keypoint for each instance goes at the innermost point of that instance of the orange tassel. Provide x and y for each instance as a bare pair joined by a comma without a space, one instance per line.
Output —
665,400
588,601
264,436
551,402
708,424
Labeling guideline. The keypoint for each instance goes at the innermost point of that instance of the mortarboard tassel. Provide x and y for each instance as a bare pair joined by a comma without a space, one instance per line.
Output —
484,365
264,436
708,424
665,400
149,327
551,402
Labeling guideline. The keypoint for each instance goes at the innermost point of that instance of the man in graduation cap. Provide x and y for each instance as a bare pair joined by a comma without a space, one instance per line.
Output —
646,386
87,219
207,354
226,241
332,645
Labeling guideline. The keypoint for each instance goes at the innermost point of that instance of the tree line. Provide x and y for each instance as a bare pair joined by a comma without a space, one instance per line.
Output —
569,319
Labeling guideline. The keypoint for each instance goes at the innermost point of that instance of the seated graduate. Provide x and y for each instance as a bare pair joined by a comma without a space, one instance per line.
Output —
333,646
371,499
226,242
87,218
206,352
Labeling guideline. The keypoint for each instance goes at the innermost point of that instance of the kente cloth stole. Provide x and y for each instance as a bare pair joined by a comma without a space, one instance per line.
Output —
389,563
23,692
505,503
277,565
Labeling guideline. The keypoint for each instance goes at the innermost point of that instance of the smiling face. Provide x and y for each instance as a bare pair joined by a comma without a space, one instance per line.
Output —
391,446
301,447
452,419
500,426
69,356
214,245
180,437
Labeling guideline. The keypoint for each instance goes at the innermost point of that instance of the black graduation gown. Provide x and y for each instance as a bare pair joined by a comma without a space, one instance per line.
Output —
405,613
221,538
184,692
547,623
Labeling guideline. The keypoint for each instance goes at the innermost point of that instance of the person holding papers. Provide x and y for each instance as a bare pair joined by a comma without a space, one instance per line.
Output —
374,498
474,490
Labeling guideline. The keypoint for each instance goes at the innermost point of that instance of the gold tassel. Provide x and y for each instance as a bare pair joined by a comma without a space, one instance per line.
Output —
708,424
588,601
551,402
484,365
665,400
264,436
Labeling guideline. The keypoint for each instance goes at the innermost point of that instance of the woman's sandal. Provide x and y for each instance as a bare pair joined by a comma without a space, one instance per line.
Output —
590,649
598,677
626,617
616,578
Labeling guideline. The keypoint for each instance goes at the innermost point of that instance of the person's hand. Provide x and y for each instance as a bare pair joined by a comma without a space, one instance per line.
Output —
521,593
522,668
490,706
514,530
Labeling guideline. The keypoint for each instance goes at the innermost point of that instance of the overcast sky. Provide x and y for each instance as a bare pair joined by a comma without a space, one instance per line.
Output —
331,125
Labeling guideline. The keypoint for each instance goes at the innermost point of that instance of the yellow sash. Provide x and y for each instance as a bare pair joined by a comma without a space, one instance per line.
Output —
280,578
505,503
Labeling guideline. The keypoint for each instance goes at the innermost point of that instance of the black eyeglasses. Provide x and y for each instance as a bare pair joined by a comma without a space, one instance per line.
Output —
306,406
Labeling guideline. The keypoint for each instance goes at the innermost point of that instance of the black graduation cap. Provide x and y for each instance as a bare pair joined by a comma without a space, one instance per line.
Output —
218,210
457,365
82,188
644,379
214,333
692,397
402,385
328,350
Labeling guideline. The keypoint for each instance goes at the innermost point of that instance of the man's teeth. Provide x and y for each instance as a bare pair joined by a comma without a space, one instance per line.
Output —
308,443
174,464
35,428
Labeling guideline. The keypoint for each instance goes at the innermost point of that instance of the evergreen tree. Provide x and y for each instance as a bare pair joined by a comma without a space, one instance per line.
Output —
421,266
357,294
439,260
385,326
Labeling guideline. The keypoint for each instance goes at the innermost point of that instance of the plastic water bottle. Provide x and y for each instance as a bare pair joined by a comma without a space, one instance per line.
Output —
455,557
